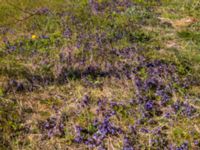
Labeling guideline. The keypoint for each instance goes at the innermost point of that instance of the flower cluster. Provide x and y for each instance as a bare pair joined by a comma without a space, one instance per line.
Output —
183,146
101,129
52,127
111,6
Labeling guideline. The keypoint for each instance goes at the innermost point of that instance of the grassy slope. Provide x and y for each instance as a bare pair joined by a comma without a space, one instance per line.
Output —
74,56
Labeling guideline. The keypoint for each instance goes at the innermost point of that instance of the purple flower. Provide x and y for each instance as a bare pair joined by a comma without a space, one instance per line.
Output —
151,83
149,105
85,101
176,107
127,144
197,143
167,115
165,99
95,122
183,146
44,37
188,110
52,127
104,129
144,130
11,49
78,139
67,33
43,10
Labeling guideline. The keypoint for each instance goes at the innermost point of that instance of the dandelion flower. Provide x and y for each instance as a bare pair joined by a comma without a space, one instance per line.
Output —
33,37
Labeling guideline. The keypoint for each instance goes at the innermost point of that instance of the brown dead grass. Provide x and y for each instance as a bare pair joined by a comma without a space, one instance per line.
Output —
179,23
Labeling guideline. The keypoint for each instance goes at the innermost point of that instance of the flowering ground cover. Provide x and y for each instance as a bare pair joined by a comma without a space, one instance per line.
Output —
99,74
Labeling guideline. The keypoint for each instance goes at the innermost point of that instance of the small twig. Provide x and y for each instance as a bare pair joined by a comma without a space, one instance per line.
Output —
111,145
19,20
16,7
197,128
149,141
31,14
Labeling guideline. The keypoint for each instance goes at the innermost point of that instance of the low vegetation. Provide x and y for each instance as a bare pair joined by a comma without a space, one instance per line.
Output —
98,74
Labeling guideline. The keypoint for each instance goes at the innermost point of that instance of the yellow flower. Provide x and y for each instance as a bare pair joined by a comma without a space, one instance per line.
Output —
33,36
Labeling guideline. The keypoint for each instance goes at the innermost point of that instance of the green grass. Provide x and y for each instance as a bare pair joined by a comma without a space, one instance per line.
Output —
57,65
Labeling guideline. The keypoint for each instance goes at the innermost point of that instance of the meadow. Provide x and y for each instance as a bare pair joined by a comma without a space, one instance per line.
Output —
100,75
